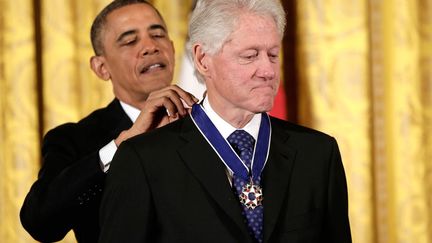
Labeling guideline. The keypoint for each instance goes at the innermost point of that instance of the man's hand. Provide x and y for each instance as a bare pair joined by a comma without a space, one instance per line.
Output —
162,107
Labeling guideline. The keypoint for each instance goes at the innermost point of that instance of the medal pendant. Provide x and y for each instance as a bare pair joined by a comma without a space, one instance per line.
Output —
251,196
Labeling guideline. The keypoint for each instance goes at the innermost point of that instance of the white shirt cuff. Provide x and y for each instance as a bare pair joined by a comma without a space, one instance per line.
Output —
106,155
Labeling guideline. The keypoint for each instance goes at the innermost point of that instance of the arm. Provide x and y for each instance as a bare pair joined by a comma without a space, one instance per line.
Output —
68,182
337,228
161,107
68,190
126,208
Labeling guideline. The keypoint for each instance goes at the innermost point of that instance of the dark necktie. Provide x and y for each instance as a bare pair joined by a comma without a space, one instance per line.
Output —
243,143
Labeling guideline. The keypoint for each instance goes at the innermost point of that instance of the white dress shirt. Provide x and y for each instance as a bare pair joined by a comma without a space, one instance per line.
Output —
225,129
106,153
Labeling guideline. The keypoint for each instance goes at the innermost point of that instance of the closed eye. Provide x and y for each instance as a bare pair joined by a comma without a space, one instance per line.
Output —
273,57
129,42
158,36
127,38
250,57
157,31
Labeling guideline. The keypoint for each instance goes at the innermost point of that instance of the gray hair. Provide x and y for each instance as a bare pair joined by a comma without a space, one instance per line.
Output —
212,22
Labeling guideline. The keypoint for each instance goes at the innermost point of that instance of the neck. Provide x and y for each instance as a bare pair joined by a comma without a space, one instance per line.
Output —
235,116
137,102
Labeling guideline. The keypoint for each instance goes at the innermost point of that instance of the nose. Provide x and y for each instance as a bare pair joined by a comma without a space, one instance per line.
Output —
149,47
266,69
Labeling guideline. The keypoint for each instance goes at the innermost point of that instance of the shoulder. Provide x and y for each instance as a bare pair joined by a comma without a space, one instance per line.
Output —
167,138
299,135
296,128
310,147
163,135
96,122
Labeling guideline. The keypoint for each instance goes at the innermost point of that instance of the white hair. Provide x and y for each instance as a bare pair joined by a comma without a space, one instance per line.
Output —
212,22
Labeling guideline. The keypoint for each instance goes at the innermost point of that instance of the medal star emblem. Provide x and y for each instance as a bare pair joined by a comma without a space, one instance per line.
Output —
251,196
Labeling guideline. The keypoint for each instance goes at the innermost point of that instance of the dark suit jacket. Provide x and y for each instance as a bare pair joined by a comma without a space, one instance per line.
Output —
67,192
168,185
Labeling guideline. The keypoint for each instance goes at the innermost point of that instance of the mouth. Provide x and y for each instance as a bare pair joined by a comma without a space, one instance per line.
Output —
152,67
264,87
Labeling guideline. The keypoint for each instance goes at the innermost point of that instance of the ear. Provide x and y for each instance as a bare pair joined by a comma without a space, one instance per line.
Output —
200,59
97,64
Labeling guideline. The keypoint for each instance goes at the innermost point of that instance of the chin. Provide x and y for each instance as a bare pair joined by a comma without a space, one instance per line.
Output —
263,107
156,86
265,103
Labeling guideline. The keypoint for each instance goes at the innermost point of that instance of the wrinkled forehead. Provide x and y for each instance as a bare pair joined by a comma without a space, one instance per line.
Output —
249,21
254,28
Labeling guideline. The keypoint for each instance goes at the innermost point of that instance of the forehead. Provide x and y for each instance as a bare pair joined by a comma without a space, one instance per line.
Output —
254,30
139,15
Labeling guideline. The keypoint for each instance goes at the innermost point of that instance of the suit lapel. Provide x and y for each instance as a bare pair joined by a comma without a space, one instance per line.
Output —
210,172
117,119
276,177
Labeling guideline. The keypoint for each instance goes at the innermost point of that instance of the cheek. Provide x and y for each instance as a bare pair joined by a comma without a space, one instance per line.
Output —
237,83
122,63
276,84
239,75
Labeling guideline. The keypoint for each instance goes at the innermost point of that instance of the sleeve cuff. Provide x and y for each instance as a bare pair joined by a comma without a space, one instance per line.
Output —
106,155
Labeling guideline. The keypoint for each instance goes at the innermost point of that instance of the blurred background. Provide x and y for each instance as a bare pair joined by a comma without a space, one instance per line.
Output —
359,70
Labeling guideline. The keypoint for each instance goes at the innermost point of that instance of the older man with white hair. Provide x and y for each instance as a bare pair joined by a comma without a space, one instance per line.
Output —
229,172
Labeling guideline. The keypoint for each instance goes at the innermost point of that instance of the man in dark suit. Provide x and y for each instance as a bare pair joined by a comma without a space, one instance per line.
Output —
134,51
229,172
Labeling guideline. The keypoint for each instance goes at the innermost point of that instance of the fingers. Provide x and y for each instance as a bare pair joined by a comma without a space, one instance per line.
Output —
162,107
173,99
185,96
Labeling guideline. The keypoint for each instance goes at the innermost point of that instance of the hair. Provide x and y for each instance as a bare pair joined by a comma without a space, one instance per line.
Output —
212,21
98,25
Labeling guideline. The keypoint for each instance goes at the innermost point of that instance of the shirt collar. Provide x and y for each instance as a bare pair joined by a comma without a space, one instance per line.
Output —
225,129
131,111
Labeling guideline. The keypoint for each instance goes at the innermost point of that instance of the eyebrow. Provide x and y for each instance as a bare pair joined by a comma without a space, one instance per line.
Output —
157,26
134,31
125,34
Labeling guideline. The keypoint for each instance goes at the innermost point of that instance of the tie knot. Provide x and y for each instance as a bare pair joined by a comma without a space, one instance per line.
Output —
241,140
